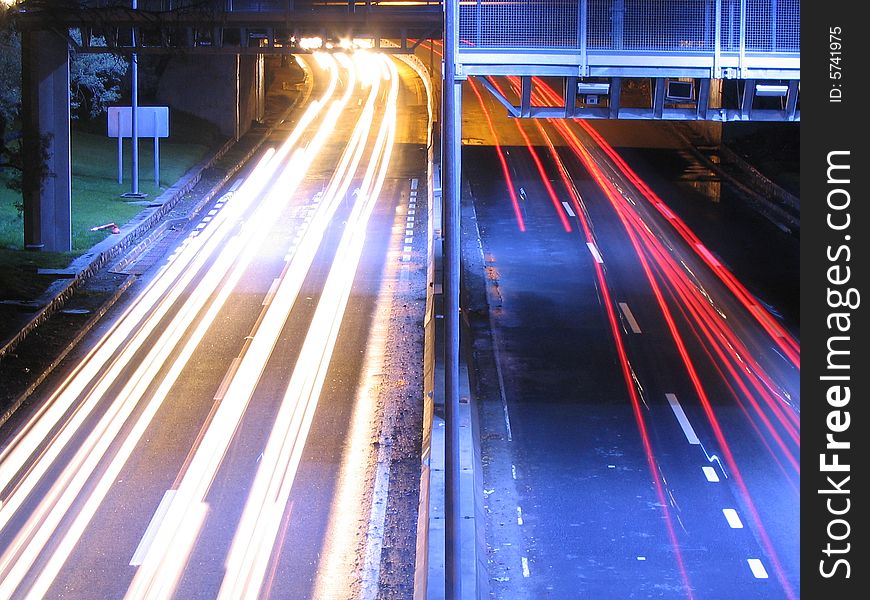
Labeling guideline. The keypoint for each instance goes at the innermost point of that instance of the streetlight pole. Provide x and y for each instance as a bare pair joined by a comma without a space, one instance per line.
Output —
134,121
451,171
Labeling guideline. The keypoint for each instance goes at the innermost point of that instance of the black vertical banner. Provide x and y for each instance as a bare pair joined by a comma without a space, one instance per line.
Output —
835,342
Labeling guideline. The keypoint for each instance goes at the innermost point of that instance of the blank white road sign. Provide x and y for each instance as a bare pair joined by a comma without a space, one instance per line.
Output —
152,121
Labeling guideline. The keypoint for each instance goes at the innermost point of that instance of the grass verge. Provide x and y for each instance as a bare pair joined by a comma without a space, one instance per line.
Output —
96,195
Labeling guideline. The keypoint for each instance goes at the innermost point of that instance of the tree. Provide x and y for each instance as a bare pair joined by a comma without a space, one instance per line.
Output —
10,101
94,83
94,79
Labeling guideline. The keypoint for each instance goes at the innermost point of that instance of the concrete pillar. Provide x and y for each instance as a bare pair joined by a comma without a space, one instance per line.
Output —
46,110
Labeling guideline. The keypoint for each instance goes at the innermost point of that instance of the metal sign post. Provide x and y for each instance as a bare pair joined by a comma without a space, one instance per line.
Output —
151,121
134,73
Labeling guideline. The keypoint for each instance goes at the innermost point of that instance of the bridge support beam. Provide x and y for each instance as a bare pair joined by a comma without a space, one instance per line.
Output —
46,116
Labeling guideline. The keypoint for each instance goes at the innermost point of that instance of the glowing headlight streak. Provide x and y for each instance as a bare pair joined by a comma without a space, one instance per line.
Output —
90,454
177,274
238,253
161,570
256,535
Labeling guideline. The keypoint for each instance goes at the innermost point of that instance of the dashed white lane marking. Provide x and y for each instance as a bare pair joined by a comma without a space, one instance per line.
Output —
409,232
733,518
409,239
271,293
406,258
710,474
683,420
595,254
236,184
151,530
410,219
707,254
212,212
412,211
526,571
407,249
757,568
519,516
514,471
414,184
568,209
641,558
632,322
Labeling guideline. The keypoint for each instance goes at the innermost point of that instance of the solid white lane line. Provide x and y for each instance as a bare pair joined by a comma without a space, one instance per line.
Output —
228,377
151,530
568,209
710,474
733,518
271,293
632,322
526,571
683,420
595,254
757,568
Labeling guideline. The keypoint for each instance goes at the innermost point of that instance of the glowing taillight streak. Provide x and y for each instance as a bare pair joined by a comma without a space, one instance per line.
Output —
735,348
609,189
627,373
781,337
161,569
256,535
501,159
551,193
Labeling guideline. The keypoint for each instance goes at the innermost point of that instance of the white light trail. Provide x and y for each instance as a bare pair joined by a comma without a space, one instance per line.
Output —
141,319
253,545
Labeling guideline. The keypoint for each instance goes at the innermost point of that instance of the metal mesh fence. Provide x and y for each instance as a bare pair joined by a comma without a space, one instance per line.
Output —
630,25
521,23
773,25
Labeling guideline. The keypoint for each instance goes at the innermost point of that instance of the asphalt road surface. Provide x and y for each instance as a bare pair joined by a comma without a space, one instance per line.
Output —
220,434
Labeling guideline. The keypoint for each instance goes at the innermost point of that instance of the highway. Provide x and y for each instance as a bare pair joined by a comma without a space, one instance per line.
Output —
225,432
639,406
